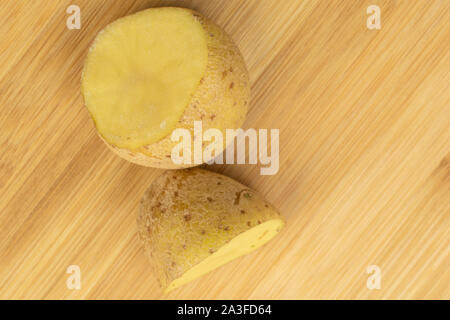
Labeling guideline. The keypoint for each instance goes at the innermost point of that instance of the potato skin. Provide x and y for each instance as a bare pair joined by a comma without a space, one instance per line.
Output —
186,215
220,101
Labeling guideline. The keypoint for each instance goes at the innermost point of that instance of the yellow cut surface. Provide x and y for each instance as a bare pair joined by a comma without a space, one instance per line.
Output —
244,243
141,72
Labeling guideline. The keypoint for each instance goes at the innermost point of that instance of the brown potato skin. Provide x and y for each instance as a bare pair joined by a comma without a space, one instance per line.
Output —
220,101
186,215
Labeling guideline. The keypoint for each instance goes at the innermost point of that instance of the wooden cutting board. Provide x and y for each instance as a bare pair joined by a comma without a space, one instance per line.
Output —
364,179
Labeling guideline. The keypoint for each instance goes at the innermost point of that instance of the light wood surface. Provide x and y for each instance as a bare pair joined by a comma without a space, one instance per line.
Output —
364,119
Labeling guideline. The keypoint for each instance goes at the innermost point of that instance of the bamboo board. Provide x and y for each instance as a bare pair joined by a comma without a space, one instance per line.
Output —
364,119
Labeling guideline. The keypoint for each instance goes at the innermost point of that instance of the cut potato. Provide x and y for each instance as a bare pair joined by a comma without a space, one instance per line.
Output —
193,221
157,70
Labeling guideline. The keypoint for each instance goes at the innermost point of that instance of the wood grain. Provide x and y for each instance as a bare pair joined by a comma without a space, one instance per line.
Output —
364,179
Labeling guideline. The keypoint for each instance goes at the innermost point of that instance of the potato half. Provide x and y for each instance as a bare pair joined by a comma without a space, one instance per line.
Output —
193,221
157,70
